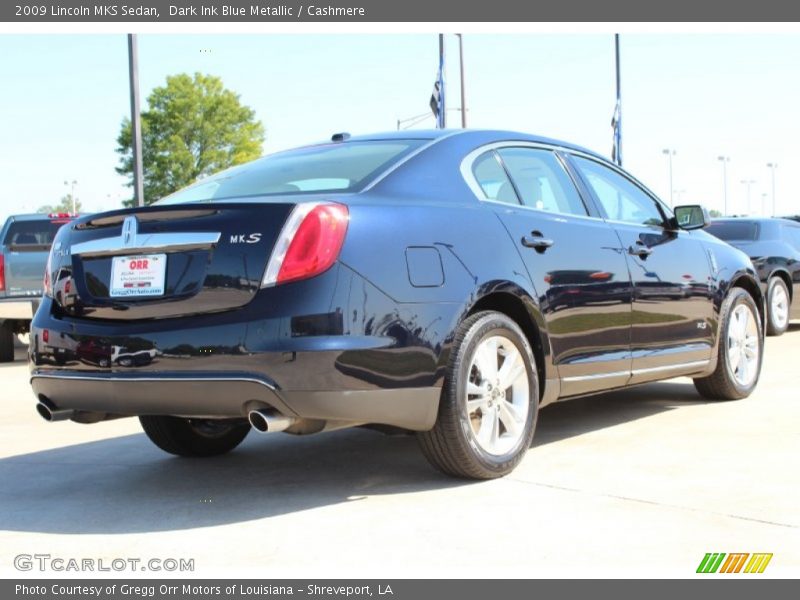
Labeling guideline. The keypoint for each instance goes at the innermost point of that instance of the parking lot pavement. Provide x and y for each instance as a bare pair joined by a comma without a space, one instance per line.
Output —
636,483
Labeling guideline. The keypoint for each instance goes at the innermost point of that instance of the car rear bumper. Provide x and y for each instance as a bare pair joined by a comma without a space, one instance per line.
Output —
230,395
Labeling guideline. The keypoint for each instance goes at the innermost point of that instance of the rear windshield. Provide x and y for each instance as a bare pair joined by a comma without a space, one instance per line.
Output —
33,234
340,167
745,231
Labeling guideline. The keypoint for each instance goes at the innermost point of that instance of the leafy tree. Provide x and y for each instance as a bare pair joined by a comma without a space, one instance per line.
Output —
714,213
64,205
193,127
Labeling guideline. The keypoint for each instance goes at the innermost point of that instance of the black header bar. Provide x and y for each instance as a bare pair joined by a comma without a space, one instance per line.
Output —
493,11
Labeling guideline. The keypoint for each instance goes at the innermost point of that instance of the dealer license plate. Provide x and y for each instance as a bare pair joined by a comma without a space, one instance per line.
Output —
138,276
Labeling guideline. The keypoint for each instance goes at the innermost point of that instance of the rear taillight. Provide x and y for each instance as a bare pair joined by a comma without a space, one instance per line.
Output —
309,243
2,273
48,288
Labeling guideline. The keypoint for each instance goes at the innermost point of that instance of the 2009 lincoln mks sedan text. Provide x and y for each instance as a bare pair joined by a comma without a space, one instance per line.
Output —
447,283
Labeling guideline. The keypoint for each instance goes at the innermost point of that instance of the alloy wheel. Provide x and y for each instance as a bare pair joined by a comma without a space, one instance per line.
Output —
498,396
743,345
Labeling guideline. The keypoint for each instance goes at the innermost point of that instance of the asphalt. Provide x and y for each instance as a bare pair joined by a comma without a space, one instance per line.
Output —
637,483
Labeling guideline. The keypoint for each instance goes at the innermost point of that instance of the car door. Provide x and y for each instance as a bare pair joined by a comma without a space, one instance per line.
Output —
673,313
791,232
573,258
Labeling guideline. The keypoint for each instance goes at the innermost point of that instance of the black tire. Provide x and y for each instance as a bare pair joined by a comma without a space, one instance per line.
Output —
6,342
452,446
722,383
194,437
776,285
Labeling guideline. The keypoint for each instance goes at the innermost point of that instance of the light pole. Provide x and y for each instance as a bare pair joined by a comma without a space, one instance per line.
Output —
764,203
748,183
724,160
670,153
461,66
72,185
772,167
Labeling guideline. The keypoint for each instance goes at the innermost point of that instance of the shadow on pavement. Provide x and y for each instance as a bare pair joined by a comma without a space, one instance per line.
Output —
126,485
583,415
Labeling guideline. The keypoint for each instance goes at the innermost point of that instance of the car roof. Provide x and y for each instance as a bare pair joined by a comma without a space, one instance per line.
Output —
753,220
483,136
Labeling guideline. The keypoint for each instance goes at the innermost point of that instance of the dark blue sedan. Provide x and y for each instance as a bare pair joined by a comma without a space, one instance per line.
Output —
449,283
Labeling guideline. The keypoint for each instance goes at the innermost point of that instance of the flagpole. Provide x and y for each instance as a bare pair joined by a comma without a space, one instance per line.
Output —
442,121
461,68
618,125
136,120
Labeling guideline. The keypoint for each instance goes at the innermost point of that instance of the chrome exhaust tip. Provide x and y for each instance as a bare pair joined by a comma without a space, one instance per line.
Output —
269,421
50,413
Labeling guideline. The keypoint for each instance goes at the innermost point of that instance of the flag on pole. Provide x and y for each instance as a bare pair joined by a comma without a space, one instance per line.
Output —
437,101
616,122
437,97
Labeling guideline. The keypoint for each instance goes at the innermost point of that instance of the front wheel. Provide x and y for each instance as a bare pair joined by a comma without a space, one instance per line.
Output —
778,304
194,437
739,350
489,402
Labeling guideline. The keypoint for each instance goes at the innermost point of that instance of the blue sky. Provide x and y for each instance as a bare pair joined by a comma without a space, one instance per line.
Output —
64,97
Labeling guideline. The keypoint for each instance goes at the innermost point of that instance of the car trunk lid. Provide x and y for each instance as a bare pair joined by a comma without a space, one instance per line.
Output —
166,261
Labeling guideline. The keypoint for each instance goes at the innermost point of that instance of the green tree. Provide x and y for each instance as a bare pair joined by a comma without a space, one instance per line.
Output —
64,205
193,127
714,213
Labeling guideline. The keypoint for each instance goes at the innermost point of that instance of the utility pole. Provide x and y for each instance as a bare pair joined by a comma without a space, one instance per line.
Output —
461,66
724,160
136,123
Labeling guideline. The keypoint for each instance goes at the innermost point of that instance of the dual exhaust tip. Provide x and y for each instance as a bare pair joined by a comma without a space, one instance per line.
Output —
263,420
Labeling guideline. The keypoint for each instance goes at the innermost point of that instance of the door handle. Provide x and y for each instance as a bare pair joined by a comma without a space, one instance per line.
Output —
640,250
537,241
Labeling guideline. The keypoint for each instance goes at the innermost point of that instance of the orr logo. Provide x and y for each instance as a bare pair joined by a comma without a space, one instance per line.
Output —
139,264
737,562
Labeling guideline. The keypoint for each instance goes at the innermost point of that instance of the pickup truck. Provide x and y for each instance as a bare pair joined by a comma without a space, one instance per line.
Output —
24,246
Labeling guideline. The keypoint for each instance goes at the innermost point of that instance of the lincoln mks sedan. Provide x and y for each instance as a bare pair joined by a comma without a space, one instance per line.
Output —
446,283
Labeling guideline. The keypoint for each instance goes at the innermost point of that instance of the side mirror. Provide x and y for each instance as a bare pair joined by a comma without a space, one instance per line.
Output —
691,216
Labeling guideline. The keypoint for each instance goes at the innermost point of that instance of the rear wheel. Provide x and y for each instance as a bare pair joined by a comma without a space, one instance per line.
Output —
739,350
194,437
6,342
778,304
487,412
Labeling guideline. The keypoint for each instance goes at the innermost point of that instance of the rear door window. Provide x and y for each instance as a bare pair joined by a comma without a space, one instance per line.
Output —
542,181
493,179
